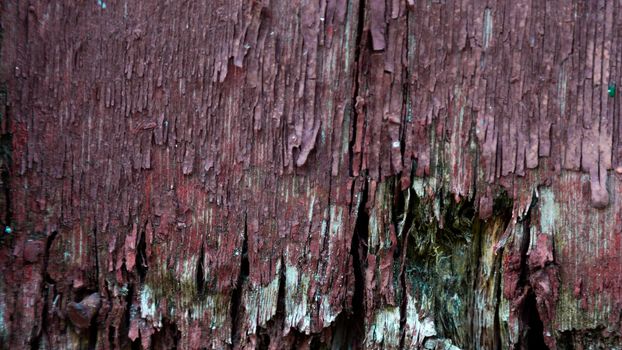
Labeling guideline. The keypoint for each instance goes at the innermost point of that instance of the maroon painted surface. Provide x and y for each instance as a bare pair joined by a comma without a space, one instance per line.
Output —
179,158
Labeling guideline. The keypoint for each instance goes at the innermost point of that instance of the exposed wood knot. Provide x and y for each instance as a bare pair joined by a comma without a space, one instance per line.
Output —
83,312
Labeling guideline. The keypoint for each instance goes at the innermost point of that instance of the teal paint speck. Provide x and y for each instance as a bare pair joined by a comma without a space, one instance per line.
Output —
101,4
8,230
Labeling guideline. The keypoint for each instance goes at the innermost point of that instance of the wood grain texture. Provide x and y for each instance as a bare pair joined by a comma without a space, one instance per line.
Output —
280,174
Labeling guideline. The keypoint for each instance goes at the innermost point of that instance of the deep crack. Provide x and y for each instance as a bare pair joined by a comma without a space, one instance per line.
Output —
358,252
236,294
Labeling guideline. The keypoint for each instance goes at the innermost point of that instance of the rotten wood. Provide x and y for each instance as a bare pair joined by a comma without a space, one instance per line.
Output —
277,174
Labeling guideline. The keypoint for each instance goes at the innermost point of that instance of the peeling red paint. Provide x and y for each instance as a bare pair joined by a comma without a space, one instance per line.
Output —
188,161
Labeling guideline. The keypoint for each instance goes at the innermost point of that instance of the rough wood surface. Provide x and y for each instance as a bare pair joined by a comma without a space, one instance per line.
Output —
382,174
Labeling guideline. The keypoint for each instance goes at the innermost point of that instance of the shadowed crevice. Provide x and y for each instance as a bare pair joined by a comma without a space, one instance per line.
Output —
200,275
532,332
358,252
142,265
531,328
236,294
167,337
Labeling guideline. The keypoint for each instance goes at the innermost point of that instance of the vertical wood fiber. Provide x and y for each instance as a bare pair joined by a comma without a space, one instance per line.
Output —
381,174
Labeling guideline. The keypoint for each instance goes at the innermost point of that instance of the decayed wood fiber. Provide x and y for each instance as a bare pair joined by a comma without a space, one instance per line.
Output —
306,174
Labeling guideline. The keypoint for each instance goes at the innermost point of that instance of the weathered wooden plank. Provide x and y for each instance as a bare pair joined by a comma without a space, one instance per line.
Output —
254,174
